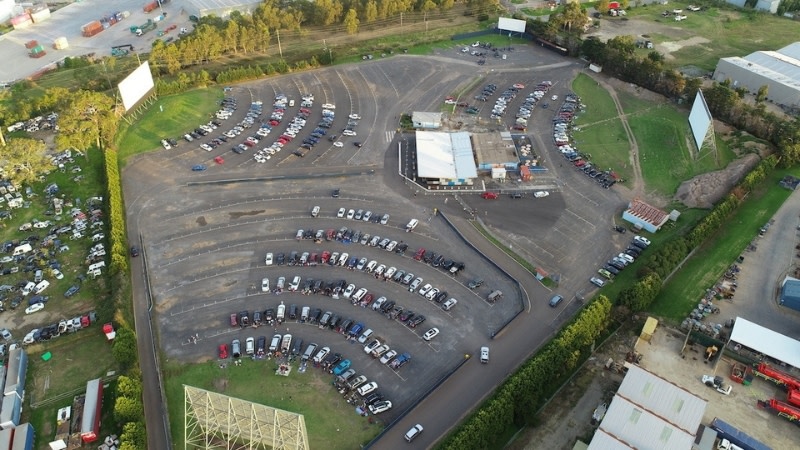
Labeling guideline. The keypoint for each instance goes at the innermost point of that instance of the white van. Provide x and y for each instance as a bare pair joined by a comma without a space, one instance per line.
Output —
249,346
281,313
304,314
312,347
411,225
96,266
22,249
276,341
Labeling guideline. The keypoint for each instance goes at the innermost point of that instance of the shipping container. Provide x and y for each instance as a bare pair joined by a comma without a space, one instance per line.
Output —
21,21
23,437
150,7
61,43
736,436
92,410
40,15
30,44
92,28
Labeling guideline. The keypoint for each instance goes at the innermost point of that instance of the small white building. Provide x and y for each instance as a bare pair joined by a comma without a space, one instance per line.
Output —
445,159
426,120
219,8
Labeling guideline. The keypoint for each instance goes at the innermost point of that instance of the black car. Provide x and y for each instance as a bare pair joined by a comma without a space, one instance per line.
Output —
280,259
638,244
314,316
616,264
358,144
447,264
611,269
373,398
437,261
407,315
72,291
401,248
416,320
475,284
335,193
388,306
620,229
440,297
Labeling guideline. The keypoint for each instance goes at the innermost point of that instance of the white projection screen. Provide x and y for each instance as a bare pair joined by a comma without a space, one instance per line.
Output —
135,86
515,25
700,119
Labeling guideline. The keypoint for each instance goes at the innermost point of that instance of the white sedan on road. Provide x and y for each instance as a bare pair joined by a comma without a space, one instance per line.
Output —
339,144
328,106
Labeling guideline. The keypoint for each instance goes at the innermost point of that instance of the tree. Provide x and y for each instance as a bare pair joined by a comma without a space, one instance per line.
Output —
761,96
128,409
351,21
129,387
371,11
124,348
602,6
24,160
87,120
133,437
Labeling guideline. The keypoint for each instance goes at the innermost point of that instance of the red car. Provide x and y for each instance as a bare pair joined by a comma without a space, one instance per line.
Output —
420,254
223,351
489,195
326,255
234,320
219,160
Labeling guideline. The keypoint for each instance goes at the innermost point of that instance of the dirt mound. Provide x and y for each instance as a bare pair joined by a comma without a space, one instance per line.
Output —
703,191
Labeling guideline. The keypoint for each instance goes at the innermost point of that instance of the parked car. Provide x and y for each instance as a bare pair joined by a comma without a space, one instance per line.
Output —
413,433
430,334
484,355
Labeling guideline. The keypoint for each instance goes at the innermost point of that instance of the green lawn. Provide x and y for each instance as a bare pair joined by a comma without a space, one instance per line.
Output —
732,33
331,423
681,294
599,130
181,113
63,376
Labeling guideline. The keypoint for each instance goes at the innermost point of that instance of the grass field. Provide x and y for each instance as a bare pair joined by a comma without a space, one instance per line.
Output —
681,294
181,113
331,422
601,134
732,33
64,376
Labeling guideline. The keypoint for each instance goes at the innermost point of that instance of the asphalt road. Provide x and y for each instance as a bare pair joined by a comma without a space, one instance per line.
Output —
567,233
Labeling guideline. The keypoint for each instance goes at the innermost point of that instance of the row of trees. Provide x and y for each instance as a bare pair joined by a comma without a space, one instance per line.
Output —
129,413
516,401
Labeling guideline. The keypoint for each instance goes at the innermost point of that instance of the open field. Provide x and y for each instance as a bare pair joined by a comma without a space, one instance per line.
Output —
709,262
732,33
192,107
600,129
330,422
58,380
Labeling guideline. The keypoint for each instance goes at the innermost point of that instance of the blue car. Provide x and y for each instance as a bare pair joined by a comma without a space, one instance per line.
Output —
341,367
198,167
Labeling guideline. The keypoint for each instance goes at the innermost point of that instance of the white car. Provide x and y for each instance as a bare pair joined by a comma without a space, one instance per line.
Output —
349,290
322,354
425,289
380,407
643,240
554,98
390,272
541,194
379,270
415,284
338,144
597,282
268,259
484,355
361,264
265,284
372,346
354,117
328,106
28,339
413,432
367,388
349,133
34,307
340,214
430,334
388,356
385,219
432,294
365,335
351,213
57,274
295,284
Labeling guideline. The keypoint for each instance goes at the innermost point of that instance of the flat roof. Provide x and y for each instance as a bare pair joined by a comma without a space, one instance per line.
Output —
212,5
445,155
766,341
493,148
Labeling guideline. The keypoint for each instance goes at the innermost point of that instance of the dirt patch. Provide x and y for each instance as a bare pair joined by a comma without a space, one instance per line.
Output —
668,47
220,384
240,214
202,221
704,190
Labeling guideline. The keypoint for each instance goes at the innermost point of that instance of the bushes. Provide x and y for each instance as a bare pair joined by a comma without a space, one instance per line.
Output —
129,412
119,251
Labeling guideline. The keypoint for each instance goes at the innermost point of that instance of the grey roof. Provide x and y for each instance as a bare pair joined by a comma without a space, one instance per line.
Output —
427,117
649,412
791,289
445,155
210,6
16,370
90,412
782,66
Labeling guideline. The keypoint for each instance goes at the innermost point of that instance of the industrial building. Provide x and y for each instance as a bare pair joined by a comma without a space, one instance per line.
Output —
92,410
644,216
790,293
649,412
219,8
445,159
778,70
426,120
15,373
761,5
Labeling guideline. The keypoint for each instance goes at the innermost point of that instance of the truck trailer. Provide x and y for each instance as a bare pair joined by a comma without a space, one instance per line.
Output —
726,431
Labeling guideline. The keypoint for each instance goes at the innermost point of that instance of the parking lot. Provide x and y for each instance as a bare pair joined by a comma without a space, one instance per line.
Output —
205,234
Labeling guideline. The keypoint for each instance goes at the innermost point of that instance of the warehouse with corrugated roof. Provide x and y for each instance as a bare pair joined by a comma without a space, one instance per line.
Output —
778,70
